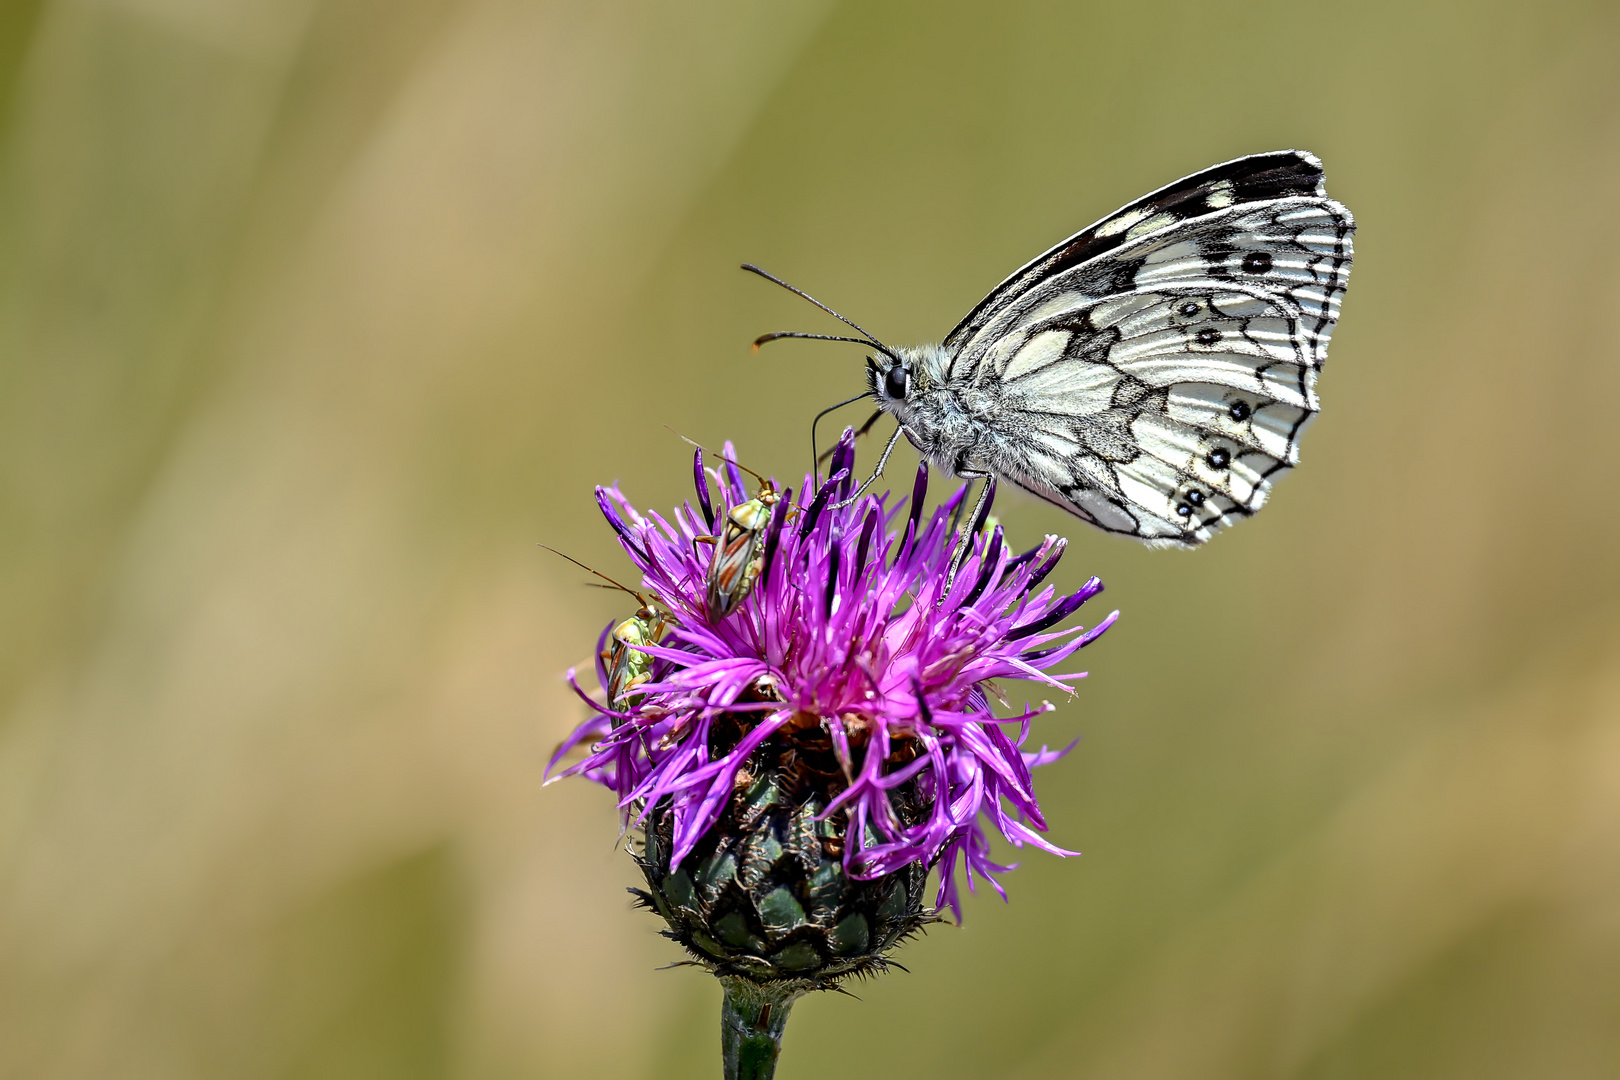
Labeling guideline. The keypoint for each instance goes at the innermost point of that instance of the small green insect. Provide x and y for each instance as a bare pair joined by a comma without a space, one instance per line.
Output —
739,550
739,553
627,666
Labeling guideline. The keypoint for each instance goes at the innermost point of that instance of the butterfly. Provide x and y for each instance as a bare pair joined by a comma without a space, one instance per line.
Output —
1152,374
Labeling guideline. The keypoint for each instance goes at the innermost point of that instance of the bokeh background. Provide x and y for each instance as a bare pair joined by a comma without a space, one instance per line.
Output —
316,316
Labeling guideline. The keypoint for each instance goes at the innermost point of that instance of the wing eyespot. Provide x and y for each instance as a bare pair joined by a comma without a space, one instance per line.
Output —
1257,262
1240,411
1219,458
1207,335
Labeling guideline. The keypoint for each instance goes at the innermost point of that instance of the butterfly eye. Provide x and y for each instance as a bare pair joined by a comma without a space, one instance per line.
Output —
897,381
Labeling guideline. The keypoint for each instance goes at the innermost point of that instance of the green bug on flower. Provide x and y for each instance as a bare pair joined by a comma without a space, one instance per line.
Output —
627,667
741,545
739,553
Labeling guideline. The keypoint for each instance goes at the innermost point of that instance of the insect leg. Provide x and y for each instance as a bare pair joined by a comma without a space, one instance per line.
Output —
965,538
956,515
882,461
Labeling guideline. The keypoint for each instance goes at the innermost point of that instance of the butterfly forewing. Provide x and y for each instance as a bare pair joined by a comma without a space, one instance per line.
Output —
1154,372
1258,178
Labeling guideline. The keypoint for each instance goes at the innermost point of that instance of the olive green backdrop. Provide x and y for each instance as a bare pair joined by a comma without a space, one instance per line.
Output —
317,315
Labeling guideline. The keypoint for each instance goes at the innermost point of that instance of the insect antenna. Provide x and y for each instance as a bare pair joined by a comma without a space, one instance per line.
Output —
777,335
611,584
762,481
866,338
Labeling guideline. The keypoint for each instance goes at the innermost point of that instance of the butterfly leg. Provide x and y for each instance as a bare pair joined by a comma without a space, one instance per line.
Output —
975,523
882,461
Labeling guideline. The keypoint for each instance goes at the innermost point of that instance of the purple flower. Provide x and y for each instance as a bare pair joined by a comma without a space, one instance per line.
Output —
848,638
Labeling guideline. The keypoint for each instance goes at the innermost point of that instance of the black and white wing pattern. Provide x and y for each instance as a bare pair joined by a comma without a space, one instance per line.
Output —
1153,373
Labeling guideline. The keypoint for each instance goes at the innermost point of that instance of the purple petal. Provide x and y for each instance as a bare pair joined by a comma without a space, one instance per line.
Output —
700,480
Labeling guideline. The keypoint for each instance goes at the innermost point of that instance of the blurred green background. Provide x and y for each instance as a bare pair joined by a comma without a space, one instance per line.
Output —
317,315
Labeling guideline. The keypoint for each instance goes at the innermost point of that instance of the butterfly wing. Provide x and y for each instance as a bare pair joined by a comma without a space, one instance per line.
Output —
1154,372
1257,178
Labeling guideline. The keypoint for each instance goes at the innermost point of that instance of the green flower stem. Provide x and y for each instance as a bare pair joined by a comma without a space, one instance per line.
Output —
752,1018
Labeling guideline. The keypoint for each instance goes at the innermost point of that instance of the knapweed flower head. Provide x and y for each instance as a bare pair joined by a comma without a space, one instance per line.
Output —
812,753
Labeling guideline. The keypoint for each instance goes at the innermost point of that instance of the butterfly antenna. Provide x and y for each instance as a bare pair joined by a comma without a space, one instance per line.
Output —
610,582
722,457
777,335
866,338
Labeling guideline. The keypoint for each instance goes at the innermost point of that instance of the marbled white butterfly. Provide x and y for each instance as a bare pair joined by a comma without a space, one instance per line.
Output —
1152,373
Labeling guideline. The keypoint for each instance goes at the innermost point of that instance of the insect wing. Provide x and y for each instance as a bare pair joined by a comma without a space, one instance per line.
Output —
737,555
628,667
1154,372
1241,181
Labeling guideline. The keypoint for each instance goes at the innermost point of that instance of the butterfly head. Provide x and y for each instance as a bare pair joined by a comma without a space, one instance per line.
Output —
898,377
889,378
